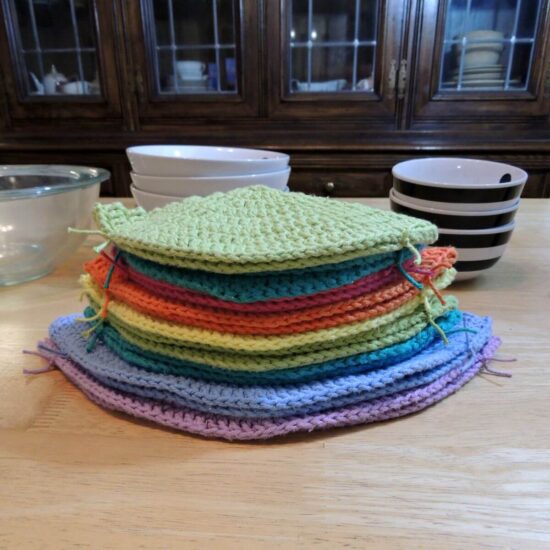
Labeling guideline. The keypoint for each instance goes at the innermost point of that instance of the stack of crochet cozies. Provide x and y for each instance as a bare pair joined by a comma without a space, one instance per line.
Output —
257,313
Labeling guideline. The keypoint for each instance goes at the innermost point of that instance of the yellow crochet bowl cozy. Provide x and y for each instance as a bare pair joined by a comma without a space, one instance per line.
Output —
256,228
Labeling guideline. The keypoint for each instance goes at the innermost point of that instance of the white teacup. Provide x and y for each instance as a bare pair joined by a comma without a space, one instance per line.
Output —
190,69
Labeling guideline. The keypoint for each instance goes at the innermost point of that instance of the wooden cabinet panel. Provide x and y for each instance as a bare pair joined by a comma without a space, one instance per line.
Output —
336,183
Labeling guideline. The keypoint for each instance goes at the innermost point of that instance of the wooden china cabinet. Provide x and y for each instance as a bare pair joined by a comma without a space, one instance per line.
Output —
347,87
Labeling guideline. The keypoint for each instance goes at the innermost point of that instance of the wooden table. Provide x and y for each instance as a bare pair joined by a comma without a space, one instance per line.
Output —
472,471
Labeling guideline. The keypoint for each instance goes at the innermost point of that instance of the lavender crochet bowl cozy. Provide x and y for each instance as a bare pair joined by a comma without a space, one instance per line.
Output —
259,412
217,426
268,401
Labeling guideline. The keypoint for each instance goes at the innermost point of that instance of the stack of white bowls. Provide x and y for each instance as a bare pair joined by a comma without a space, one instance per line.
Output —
473,203
166,173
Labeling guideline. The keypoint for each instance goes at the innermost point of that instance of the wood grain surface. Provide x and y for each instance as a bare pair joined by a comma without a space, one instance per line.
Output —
470,472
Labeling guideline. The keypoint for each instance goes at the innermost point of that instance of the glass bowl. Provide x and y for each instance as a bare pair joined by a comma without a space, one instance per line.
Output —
38,203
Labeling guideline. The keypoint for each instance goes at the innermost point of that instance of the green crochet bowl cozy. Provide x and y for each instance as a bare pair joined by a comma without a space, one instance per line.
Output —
256,229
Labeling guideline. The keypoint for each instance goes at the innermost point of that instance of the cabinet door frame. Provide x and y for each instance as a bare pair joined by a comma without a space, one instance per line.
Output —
472,109
380,107
35,111
166,107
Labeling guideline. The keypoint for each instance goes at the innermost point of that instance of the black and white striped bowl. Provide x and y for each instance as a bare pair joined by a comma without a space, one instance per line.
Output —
478,250
454,219
456,206
459,181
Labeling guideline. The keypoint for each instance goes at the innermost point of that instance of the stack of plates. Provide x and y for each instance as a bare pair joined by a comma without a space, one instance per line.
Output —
488,76
167,173
473,203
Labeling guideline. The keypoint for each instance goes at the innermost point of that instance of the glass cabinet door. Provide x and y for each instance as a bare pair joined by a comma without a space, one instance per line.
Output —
56,47
488,54
489,45
55,57
195,48
340,53
199,56
332,46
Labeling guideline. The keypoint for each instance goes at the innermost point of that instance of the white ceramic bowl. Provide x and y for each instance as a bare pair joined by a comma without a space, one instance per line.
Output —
200,161
453,219
149,201
186,186
458,180
470,207
480,238
38,203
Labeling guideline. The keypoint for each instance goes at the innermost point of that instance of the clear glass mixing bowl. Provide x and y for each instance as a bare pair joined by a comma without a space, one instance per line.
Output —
38,203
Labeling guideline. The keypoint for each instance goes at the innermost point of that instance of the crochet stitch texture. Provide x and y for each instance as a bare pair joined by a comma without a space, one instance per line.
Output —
250,287
353,364
167,332
382,336
254,229
269,401
253,314
314,318
216,426
174,292
433,260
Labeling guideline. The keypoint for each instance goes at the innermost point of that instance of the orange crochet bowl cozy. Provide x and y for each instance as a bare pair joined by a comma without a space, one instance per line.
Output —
387,298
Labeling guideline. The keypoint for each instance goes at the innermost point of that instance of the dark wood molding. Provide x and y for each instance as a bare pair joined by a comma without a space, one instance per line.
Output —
350,140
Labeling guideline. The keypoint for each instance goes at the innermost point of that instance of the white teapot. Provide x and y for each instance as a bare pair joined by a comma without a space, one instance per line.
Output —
53,80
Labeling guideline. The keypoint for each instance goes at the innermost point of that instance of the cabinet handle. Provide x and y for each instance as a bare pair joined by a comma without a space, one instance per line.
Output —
329,187
402,79
392,75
